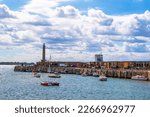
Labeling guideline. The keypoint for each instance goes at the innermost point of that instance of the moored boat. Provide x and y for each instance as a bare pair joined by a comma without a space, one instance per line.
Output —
139,77
51,75
54,75
84,74
46,83
102,78
37,75
95,74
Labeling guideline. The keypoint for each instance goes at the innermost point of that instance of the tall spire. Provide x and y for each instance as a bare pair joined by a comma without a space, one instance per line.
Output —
43,53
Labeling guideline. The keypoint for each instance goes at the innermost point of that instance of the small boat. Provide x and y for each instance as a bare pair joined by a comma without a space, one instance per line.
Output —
84,74
37,75
46,83
139,77
102,78
95,74
57,73
54,75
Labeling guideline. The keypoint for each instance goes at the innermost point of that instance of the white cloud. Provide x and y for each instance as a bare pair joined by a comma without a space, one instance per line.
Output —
133,25
5,12
70,34
67,11
43,7
100,17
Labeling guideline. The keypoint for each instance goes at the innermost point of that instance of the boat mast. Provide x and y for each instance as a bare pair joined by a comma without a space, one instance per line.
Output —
49,68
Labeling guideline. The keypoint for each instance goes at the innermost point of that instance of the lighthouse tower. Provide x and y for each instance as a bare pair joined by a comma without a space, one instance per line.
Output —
43,53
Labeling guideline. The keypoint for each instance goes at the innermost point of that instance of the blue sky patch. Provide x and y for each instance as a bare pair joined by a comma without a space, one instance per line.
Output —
14,4
113,7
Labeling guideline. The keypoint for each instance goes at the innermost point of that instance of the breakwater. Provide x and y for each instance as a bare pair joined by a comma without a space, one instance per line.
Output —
114,73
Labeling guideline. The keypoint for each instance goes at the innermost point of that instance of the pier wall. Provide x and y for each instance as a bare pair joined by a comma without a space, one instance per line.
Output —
149,75
114,73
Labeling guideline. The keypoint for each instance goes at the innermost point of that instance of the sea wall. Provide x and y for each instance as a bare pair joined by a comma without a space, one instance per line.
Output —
149,75
114,73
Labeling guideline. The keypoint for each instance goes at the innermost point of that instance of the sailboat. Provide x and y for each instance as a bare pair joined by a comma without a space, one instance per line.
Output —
52,74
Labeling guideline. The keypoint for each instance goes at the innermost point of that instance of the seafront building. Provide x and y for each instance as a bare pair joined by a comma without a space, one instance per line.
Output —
98,58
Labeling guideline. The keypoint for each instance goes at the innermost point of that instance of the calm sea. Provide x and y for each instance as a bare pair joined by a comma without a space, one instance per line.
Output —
21,85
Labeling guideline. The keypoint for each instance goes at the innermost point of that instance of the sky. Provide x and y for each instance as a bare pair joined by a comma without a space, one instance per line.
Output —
75,30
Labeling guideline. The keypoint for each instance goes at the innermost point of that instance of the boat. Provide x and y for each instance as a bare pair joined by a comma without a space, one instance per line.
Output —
47,83
87,73
54,75
95,74
102,77
139,77
37,75
84,74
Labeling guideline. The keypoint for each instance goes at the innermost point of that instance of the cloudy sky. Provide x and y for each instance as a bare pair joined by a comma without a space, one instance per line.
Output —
75,30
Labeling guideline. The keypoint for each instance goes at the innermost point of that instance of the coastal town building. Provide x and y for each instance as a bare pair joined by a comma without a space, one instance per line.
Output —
98,58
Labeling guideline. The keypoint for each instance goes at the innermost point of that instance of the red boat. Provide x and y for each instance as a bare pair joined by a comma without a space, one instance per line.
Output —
46,83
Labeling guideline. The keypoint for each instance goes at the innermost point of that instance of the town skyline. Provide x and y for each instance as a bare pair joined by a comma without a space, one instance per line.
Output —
74,30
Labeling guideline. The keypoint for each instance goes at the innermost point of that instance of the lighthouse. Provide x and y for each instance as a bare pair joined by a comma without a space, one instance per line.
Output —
43,53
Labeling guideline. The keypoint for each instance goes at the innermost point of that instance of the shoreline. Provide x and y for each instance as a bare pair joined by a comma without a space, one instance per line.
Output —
113,73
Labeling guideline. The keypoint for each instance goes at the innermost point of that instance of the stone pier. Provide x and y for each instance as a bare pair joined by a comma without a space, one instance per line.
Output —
114,73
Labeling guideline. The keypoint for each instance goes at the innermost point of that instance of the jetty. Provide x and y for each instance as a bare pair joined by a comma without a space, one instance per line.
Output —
113,73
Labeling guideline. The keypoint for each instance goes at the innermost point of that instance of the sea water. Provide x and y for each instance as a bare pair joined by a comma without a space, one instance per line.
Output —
24,86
